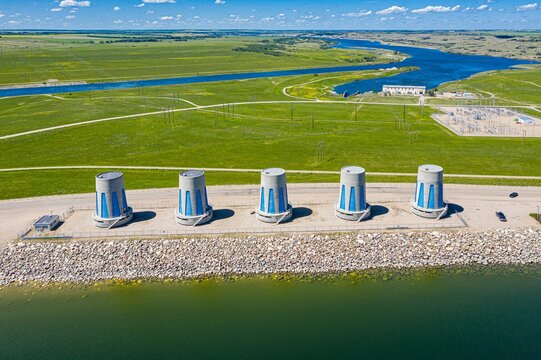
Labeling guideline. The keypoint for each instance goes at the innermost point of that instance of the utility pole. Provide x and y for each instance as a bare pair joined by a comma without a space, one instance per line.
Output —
291,111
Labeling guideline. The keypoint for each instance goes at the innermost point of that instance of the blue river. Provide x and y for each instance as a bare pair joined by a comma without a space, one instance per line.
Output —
435,68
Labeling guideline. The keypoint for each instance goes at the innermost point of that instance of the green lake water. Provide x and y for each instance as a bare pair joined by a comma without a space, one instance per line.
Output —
432,314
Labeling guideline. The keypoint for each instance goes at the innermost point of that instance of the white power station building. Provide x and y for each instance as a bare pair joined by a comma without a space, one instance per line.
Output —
403,90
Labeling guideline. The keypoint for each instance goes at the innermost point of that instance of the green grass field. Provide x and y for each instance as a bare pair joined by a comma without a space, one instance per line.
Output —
509,87
39,58
251,135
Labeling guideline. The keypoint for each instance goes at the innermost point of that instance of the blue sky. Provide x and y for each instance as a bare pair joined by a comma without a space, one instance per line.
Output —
270,14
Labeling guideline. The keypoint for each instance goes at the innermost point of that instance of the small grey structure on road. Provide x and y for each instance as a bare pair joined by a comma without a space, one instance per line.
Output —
193,207
428,201
111,204
352,203
273,203
47,223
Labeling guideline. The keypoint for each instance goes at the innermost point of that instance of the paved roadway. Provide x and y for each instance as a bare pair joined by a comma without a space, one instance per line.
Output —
475,206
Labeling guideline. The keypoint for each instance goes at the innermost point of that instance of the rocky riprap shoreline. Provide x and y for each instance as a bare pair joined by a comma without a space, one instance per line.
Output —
88,261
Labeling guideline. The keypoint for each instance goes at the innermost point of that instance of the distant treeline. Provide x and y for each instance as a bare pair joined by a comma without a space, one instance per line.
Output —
158,38
278,47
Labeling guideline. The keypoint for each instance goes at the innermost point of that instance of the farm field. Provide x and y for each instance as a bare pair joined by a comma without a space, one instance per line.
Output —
39,58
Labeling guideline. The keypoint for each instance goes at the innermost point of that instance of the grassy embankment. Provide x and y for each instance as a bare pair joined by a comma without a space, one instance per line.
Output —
245,136
22,114
508,87
320,88
39,58
241,136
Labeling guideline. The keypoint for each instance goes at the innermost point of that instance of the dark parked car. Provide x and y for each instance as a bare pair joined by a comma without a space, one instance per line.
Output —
513,195
501,216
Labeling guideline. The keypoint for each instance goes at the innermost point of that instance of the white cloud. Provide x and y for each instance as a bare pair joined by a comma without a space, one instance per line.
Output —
436,9
65,3
219,2
482,7
358,14
13,22
56,9
528,7
140,5
311,17
2,15
116,8
118,22
159,1
69,17
166,18
392,10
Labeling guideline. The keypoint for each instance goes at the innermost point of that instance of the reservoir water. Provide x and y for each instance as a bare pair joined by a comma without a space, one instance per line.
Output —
430,314
435,68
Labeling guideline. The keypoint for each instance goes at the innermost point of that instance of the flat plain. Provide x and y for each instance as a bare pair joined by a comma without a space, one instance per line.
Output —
291,122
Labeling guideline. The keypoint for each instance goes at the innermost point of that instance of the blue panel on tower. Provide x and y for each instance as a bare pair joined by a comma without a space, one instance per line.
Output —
281,201
431,197
421,198
262,201
104,210
188,204
271,202
352,199
180,202
198,203
124,201
362,201
116,207
343,198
